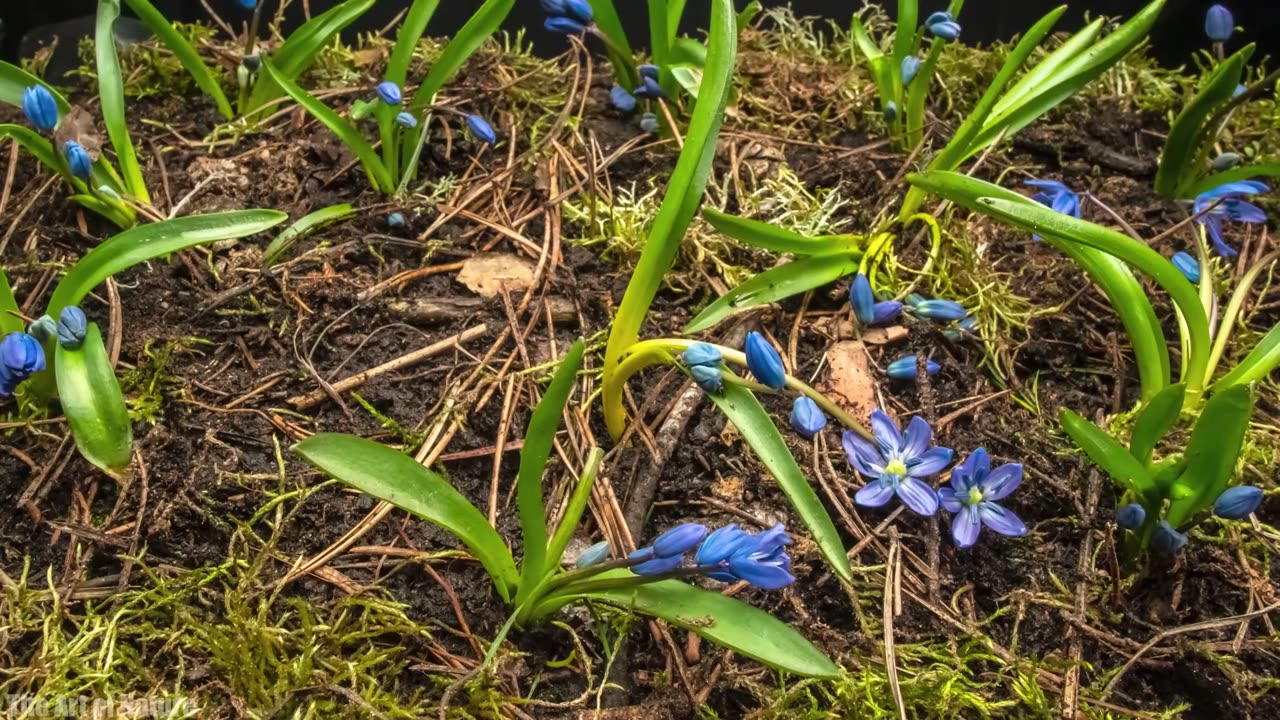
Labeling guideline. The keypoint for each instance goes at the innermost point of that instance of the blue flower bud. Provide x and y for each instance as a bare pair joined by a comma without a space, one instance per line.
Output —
481,130
708,377
389,92
862,299
904,368
40,107
78,159
654,565
720,545
621,99
942,310
1218,24
1166,540
649,123
1187,265
648,70
890,111
248,4
914,299
649,89
947,30
1237,503
1131,516
939,17
764,362
406,120
885,311
395,220
1240,90
910,67
701,353
579,10
963,330
72,326
564,25
109,193
806,418
593,555
252,63
554,7
21,355
1226,161
43,328
679,539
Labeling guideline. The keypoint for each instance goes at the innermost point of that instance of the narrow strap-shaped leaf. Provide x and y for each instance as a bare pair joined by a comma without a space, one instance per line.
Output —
659,40
350,135
407,38
771,237
780,282
396,478
538,440
305,225
159,25
14,80
111,97
1155,421
747,414
93,404
1244,172
725,621
574,509
1112,457
10,315
1186,134
904,35
1211,453
1258,364
1044,71
153,240
881,70
618,48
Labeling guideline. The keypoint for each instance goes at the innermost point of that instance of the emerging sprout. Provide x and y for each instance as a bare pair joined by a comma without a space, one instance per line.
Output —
1238,503
1218,24
389,93
896,463
764,362
904,368
481,130
974,490
1225,202
806,418
72,326
39,107
1131,516
1187,265
78,160
21,356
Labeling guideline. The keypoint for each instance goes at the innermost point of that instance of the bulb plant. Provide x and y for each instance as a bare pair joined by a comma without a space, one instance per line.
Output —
649,580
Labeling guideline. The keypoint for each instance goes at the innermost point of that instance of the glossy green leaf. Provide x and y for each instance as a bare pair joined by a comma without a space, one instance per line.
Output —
725,621
1112,457
160,26
1244,172
10,315
573,511
394,477
538,441
748,13
775,284
305,225
767,236
349,134
300,49
1178,160
407,38
1258,364
111,98
1044,71
689,52
881,71
1211,453
14,80
93,404
746,413
679,204
153,240
617,46
1155,421
904,37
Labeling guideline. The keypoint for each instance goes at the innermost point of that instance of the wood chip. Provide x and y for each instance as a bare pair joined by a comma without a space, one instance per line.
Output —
850,381
487,274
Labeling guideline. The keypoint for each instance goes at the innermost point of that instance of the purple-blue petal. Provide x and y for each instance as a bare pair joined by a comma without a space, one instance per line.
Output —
1001,520
916,439
918,496
947,497
864,456
1001,482
930,462
965,527
886,432
874,494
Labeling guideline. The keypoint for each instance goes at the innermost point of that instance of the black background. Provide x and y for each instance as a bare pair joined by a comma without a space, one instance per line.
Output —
1178,33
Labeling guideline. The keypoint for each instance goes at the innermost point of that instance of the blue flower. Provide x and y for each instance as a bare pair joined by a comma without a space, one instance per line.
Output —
481,130
20,357
941,310
389,92
564,25
679,539
1056,196
1187,265
885,311
862,299
708,377
593,555
649,89
890,111
40,107
78,160
905,368
652,565
72,326
621,99
1131,516
649,123
1237,503
946,29
715,551
648,70
406,120
762,559
910,67
806,418
1166,540
764,362
1211,207
974,490
896,462
579,10
1218,24
701,353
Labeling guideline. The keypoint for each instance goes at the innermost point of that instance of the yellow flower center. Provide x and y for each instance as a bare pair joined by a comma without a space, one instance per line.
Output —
896,467
975,496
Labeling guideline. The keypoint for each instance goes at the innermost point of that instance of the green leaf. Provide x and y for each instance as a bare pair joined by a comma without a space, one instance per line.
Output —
159,25
1110,456
1155,421
1258,364
725,621
300,50
111,97
1211,453
1189,131
880,66
756,426
307,224
904,36
407,38
14,80
780,240
619,50
688,51
396,478
574,509
538,441
1044,71
749,13
679,204
350,136
93,404
772,285
147,242
1244,172
10,314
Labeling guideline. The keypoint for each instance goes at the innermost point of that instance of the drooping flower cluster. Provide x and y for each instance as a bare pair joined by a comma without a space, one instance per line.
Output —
567,17
1226,202
648,89
1235,503
942,25
865,307
41,110
730,554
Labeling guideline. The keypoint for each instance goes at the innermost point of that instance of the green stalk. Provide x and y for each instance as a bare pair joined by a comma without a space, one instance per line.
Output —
1233,310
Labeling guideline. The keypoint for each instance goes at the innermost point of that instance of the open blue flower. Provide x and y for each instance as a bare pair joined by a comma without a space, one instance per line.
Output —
974,490
896,462
1055,195
762,559
1225,202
